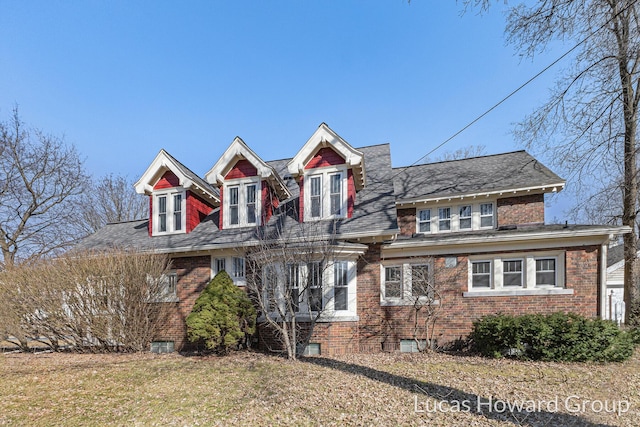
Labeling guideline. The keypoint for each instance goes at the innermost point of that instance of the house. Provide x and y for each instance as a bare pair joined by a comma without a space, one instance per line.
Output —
476,225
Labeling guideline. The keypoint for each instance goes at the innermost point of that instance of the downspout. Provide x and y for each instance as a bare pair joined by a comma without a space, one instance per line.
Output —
603,278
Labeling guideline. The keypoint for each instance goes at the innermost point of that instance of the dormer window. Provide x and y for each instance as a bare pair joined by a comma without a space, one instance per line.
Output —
241,203
169,208
325,194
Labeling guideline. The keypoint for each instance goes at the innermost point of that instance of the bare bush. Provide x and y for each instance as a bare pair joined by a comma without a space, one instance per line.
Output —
107,301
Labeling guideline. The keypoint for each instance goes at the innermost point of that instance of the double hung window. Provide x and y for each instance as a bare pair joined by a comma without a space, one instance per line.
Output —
325,195
168,212
242,204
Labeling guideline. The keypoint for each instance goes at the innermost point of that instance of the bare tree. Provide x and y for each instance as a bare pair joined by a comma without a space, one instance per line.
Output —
426,300
289,270
461,153
112,198
588,126
40,180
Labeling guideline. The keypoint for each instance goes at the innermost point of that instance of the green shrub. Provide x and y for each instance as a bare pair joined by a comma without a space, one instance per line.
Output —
557,336
221,317
635,335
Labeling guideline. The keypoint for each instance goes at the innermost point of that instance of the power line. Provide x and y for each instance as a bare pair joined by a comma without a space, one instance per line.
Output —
402,169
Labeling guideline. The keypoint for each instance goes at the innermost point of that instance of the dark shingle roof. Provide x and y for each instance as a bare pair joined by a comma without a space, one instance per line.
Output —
374,212
193,177
474,175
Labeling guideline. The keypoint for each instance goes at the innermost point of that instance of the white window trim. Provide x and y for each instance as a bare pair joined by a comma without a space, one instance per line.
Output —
229,267
419,221
476,218
523,272
328,313
406,289
458,208
325,197
169,194
493,215
529,286
242,184
165,294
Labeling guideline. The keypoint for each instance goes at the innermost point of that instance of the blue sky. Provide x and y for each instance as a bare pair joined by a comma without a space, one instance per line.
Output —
122,79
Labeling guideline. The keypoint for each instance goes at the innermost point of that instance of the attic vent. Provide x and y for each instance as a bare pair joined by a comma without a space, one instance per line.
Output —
508,227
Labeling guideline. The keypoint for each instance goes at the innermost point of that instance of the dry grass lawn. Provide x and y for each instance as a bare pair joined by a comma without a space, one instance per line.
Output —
257,389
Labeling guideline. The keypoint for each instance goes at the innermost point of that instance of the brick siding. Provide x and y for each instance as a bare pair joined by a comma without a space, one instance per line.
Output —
193,275
521,210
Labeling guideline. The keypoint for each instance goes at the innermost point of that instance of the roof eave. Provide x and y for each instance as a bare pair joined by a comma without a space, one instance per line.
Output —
511,192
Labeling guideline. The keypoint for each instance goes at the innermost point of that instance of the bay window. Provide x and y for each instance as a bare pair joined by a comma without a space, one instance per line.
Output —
326,288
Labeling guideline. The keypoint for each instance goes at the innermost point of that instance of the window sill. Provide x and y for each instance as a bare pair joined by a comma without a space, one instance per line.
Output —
406,302
167,233
324,318
517,292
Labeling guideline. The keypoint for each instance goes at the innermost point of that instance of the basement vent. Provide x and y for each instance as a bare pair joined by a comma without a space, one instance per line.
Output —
412,346
312,349
162,347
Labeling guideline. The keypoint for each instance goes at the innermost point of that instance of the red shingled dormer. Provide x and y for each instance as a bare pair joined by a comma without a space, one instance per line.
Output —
178,199
250,189
329,172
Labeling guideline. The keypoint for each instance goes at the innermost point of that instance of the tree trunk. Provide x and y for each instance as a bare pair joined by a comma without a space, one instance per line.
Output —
621,22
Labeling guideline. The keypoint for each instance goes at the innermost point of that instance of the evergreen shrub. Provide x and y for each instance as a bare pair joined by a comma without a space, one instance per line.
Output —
554,337
222,316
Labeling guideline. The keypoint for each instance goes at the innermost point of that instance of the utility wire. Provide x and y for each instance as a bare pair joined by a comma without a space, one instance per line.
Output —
402,169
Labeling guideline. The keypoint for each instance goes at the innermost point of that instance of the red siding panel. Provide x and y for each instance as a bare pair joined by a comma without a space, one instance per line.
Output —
220,222
325,157
267,208
197,210
168,180
301,199
150,216
242,169
351,193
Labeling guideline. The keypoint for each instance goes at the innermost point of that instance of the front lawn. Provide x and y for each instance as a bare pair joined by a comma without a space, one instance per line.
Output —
257,389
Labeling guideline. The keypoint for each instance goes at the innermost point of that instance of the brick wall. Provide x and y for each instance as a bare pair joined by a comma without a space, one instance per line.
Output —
407,221
193,275
521,210
380,328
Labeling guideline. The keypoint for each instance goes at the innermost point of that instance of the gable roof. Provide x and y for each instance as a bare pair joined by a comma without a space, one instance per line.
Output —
374,215
516,173
166,162
240,150
324,136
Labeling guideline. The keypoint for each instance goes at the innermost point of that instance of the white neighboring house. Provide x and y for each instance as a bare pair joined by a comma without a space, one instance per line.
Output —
614,307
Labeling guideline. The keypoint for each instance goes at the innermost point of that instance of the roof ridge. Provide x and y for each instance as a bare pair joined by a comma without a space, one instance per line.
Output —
460,160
